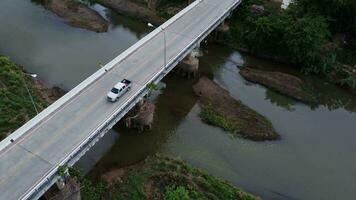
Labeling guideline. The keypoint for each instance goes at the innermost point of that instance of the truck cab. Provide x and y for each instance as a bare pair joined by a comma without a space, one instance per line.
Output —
118,90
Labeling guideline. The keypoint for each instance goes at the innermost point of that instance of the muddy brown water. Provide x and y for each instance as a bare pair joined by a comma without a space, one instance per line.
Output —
313,160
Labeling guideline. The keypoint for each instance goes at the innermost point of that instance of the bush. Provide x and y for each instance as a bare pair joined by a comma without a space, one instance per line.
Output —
285,34
176,193
304,42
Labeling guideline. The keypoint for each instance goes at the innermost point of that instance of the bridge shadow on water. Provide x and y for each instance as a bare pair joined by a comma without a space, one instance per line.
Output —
172,105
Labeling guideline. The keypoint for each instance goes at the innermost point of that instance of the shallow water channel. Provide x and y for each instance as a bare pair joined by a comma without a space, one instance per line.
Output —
313,160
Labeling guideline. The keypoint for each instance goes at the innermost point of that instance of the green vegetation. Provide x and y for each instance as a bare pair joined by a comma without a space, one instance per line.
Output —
176,193
16,106
61,170
305,34
210,116
152,86
163,178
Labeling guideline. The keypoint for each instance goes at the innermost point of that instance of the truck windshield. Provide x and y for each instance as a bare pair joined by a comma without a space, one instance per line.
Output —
115,90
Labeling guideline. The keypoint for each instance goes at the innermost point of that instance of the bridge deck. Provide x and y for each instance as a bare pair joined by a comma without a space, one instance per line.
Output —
41,149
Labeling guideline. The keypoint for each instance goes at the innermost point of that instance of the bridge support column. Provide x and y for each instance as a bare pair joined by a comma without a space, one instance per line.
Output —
220,31
189,66
141,116
66,188
223,27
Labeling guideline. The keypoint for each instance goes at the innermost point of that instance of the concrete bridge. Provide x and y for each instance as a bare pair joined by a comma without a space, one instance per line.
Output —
67,129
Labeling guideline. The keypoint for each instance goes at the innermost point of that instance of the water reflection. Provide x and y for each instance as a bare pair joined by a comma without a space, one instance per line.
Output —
316,152
314,160
327,94
117,20
280,100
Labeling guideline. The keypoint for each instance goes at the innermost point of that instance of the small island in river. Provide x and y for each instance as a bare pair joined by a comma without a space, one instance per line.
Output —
218,108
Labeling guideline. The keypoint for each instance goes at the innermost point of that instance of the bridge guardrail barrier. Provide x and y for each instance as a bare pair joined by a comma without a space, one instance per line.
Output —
87,82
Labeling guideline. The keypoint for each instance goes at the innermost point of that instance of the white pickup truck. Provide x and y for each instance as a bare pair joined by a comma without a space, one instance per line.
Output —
118,90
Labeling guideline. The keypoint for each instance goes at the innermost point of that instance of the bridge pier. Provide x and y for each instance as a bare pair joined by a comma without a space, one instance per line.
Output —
189,66
65,188
141,115
223,27
220,31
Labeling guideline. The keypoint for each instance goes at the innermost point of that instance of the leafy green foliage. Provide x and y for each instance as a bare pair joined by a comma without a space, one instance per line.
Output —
300,34
15,103
92,191
340,13
349,81
208,115
133,186
75,172
304,41
152,86
300,41
61,170
176,193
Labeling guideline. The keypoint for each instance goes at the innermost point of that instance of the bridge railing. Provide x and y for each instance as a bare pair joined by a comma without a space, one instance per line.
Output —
68,97
50,178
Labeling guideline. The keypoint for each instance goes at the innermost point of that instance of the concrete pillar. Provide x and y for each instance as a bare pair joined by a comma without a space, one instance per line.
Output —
61,183
141,115
218,34
68,189
189,66
223,27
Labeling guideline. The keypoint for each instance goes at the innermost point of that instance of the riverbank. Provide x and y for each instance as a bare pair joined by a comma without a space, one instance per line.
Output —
314,45
244,33
219,109
17,90
77,14
159,177
283,83
134,9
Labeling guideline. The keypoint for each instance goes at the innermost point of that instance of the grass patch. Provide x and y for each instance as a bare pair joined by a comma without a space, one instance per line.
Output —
16,106
210,116
164,178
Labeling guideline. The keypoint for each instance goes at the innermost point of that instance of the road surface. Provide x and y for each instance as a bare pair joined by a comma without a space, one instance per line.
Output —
25,162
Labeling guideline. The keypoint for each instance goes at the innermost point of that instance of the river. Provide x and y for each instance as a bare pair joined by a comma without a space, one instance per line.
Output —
313,160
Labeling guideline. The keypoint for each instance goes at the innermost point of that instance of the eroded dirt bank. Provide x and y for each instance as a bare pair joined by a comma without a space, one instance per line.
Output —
133,9
160,177
230,114
77,14
283,83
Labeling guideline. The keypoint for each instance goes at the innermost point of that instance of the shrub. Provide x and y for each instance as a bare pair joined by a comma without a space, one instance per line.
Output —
176,193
